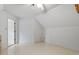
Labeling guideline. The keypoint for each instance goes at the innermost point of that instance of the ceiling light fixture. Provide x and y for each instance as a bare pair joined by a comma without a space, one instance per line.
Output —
40,6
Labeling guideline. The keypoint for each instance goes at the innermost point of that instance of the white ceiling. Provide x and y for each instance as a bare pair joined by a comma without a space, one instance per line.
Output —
62,16
24,10
55,16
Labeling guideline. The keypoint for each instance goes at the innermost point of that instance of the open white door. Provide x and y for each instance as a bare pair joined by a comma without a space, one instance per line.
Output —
11,32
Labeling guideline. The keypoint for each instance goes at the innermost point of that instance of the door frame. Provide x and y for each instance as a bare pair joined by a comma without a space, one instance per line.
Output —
15,39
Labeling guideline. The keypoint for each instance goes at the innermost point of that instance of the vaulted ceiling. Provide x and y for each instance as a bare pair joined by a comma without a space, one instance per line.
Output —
61,16
54,15
24,10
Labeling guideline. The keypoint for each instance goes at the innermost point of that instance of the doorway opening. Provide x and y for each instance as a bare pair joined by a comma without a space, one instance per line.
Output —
11,32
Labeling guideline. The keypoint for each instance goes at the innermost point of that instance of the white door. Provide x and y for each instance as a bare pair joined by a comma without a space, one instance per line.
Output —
11,34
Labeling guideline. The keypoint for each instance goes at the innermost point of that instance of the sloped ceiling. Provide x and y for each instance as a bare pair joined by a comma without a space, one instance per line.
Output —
61,16
56,15
24,10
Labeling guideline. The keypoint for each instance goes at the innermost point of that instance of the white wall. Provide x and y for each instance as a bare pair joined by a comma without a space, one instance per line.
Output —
62,26
67,37
30,31
3,29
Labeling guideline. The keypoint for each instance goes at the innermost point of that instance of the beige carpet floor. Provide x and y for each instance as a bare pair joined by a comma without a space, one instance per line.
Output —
38,49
